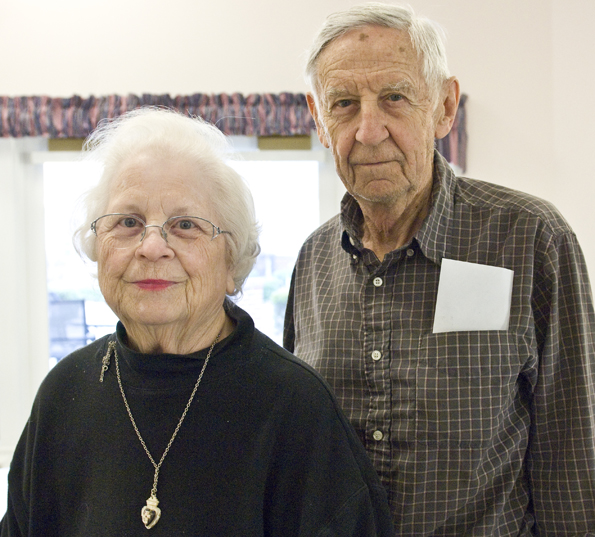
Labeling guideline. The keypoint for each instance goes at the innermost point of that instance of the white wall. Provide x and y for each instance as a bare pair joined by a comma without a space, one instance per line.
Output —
23,292
527,66
519,61
573,137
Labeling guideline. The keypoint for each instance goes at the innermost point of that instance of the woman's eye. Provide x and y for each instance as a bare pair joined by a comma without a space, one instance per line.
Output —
395,97
188,227
129,222
344,103
185,224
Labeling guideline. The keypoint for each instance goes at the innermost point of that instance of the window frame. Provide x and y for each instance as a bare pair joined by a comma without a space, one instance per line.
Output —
24,316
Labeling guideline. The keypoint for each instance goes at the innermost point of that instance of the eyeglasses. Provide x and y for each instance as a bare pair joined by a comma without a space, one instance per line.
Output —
127,230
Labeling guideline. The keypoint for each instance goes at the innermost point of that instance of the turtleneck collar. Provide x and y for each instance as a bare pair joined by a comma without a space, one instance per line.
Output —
139,367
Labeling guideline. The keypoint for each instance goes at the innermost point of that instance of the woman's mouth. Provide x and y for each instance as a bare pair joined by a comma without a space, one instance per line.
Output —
154,285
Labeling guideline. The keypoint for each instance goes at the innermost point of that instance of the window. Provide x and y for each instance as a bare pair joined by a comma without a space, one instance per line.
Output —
286,200
77,312
286,196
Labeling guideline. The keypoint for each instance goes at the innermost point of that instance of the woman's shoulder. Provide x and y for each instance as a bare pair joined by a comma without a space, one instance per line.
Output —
261,353
280,367
77,367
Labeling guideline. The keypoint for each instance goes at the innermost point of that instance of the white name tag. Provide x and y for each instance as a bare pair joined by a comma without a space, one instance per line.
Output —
472,297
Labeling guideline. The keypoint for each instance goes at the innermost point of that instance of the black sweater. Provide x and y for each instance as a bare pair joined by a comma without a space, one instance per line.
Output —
264,449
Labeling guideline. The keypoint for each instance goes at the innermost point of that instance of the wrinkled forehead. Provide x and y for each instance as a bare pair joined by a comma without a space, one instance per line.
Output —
369,51
159,185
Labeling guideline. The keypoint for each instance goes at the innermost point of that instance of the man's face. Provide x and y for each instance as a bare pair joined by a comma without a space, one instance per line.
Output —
376,113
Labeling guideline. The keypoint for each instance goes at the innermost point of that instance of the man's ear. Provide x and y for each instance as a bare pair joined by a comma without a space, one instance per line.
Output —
319,126
446,110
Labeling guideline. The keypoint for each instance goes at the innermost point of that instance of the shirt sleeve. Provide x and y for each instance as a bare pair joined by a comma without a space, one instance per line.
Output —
289,327
561,456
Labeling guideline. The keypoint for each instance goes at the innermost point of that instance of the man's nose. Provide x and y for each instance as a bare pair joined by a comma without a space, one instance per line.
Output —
372,128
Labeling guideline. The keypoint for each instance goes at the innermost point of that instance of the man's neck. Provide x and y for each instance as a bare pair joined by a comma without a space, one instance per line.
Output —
388,227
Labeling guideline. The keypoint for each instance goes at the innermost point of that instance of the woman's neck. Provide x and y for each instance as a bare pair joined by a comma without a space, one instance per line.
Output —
173,339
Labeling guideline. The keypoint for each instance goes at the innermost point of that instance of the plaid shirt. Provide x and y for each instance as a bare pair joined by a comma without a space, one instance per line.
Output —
472,432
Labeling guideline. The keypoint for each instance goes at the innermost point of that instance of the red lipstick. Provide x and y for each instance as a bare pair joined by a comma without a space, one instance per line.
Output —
154,285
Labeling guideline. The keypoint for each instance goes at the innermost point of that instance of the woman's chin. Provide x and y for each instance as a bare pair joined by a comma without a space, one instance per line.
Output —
145,316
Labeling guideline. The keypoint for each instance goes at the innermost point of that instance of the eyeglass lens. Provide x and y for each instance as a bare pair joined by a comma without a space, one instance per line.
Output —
124,230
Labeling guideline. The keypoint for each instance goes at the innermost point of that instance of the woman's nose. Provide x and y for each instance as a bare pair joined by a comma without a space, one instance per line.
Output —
161,231
154,245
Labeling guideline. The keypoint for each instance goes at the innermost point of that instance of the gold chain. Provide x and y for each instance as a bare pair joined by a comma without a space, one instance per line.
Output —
157,467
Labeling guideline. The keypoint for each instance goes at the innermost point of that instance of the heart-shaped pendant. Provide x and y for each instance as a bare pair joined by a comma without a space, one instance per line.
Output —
150,513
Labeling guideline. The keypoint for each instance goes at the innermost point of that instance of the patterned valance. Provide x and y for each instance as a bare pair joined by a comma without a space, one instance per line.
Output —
266,114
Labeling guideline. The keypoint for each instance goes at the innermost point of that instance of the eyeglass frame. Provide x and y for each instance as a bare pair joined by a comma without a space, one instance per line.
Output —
216,229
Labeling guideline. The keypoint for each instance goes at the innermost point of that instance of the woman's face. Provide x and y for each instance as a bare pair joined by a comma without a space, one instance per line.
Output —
151,285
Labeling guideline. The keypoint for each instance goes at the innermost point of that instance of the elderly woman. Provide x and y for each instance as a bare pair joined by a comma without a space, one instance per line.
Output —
187,420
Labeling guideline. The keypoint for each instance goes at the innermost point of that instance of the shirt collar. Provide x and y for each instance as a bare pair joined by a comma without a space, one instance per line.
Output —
431,236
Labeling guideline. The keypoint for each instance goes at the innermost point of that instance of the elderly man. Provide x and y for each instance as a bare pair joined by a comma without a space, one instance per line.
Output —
452,317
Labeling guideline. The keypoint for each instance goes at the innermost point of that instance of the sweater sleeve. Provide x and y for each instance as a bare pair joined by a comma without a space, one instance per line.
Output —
16,519
9,526
323,483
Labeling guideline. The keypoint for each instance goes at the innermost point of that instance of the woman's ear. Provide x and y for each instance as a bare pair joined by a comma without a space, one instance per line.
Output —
231,284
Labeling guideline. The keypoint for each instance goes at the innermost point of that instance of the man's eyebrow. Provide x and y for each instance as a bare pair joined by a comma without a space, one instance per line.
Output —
334,93
404,86
400,87
331,95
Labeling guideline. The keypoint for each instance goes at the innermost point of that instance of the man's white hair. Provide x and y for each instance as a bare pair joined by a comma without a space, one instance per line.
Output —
426,36
169,134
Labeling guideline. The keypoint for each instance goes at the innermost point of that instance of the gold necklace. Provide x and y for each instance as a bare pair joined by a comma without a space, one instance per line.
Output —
150,513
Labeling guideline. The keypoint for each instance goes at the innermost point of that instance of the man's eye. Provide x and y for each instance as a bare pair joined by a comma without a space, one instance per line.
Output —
395,97
344,103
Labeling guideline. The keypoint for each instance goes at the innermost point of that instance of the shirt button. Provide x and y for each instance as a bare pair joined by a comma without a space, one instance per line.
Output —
377,282
410,252
351,241
376,355
378,436
354,256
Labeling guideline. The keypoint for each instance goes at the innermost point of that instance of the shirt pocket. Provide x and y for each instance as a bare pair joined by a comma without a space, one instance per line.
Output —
466,383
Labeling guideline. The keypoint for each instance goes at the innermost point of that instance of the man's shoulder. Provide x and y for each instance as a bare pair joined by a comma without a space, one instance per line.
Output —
328,233
483,194
330,230
323,245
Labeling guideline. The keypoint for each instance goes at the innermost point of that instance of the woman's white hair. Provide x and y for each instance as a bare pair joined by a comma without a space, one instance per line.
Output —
168,133
426,36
